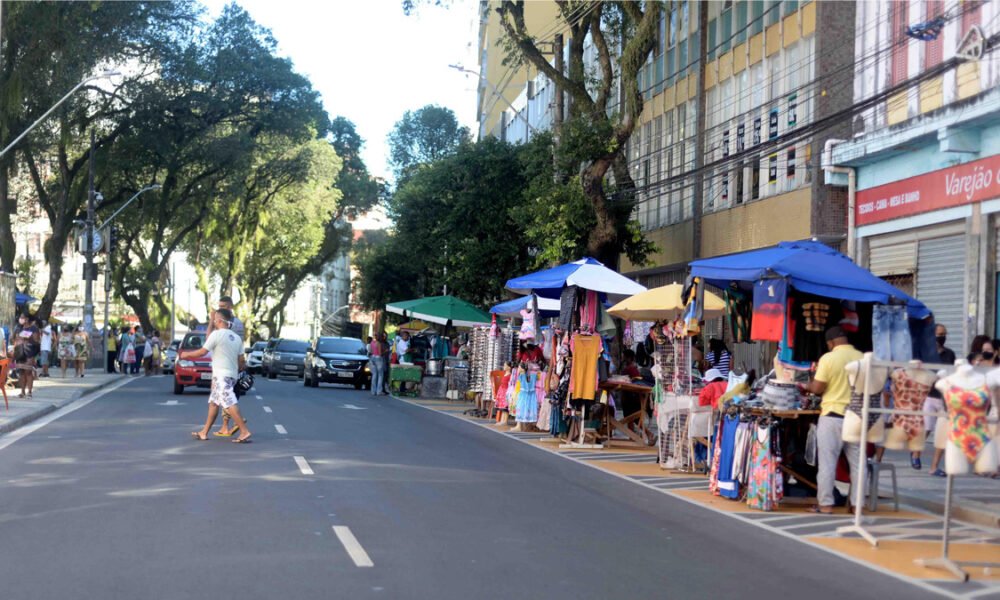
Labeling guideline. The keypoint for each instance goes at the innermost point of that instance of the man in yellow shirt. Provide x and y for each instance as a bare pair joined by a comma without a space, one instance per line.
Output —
831,383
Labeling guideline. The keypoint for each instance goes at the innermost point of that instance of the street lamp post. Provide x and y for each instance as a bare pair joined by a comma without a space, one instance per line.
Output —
497,93
107,267
104,75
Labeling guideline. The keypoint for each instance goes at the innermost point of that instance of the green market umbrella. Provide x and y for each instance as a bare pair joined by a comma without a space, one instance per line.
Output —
443,310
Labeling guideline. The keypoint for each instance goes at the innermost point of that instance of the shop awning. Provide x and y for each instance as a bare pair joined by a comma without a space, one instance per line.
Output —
586,273
443,310
547,307
662,303
810,267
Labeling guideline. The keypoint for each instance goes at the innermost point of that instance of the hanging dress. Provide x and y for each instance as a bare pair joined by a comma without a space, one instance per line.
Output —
527,398
765,488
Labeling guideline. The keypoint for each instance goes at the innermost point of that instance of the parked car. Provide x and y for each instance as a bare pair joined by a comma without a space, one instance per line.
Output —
170,357
196,372
286,358
255,357
337,360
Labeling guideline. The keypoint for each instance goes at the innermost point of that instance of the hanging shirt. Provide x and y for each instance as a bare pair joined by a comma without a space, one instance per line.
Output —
769,298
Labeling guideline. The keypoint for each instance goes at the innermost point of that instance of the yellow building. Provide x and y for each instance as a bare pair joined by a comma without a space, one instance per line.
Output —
499,85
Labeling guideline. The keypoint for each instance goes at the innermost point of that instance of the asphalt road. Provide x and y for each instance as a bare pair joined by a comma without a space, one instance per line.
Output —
115,500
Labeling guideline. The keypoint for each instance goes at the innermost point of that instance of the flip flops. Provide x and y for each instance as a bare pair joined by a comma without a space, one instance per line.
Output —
245,440
817,510
198,437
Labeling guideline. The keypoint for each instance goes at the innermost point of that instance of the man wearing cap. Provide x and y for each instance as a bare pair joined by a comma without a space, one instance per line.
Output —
830,382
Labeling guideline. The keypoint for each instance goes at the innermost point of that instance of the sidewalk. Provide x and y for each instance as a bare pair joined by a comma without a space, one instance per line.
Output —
975,499
50,394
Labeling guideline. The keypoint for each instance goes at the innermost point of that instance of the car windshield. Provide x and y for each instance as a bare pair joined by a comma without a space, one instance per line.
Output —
341,346
292,346
193,342
259,346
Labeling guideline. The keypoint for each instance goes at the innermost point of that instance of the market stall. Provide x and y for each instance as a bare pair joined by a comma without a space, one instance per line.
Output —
791,295
661,310
446,311
567,381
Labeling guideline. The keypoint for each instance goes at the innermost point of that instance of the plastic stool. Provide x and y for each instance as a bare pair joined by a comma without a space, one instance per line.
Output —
875,471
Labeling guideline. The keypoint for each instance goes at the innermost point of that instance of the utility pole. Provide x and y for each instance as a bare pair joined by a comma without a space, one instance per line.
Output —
173,302
107,299
557,48
88,271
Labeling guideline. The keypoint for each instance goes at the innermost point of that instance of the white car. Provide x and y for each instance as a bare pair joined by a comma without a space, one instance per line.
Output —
255,357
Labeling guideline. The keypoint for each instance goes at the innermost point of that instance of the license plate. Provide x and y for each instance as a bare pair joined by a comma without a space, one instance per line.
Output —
206,376
345,374
290,367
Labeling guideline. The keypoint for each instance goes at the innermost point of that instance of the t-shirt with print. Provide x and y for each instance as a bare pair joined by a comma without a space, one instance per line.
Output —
226,348
831,370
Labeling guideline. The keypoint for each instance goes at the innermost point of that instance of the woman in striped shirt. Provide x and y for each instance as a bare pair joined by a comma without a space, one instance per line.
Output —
718,356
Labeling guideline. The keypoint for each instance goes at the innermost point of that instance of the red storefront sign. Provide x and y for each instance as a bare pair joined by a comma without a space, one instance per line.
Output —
963,184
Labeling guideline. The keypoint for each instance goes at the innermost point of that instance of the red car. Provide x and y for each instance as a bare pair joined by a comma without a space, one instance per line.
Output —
189,372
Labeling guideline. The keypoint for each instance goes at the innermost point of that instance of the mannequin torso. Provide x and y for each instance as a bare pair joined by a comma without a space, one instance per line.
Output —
967,398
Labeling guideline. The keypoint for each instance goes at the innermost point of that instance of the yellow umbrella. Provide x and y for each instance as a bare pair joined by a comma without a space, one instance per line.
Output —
415,325
662,303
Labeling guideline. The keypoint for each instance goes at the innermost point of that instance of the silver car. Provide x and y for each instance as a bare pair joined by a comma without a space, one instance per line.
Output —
287,358
170,357
255,358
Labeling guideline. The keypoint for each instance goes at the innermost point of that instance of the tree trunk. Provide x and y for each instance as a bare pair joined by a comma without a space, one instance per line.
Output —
8,247
54,257
602,243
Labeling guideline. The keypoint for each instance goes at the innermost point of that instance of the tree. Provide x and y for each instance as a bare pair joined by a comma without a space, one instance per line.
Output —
48,48
221,95
423,136
459,221
593,140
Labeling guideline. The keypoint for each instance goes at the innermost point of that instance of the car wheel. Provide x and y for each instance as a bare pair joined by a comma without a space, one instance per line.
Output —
358,386
178,388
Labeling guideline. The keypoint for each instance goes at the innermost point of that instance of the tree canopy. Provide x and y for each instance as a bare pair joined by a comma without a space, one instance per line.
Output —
423,136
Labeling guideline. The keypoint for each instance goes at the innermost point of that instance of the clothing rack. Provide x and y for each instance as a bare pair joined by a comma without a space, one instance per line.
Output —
868,532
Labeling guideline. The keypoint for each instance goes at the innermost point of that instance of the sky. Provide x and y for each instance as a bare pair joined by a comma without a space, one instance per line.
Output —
370,62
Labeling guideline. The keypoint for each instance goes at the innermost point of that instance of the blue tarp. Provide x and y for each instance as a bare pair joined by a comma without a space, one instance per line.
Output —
513,308
20,298
810,267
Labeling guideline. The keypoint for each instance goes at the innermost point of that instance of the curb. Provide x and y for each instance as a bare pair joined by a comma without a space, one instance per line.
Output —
49,408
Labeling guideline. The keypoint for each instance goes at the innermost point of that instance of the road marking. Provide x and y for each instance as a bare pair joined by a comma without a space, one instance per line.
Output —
354,549
17,434
303,465
267,409
281,429
352,407
259,397
169,403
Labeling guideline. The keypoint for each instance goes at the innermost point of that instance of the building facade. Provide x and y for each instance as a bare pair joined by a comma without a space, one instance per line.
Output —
740,97
925,159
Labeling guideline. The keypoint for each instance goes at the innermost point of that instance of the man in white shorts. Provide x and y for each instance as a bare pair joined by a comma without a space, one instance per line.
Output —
226,348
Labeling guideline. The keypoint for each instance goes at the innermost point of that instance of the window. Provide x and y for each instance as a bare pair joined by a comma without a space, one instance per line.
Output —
900,41
755,178
772,169
756,16
740,26
711,38
672,33
773,12
740,173
726,28
971,14
682,58
934,48
788,7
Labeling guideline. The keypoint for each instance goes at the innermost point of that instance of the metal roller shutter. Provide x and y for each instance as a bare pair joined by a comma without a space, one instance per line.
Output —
895,259
941,282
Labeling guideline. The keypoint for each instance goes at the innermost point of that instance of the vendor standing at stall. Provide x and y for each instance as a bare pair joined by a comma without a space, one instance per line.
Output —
831,383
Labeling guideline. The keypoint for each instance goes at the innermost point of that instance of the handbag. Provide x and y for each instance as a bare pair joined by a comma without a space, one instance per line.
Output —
244,383
130,354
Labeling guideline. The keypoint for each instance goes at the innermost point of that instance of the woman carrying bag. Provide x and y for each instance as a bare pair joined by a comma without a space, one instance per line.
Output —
67,351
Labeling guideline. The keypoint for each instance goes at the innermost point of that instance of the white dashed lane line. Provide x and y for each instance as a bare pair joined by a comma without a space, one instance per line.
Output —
281,429
267,409
303,465
259,397
353,547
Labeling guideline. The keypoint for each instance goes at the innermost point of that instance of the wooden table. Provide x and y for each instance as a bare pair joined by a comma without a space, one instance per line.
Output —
644,392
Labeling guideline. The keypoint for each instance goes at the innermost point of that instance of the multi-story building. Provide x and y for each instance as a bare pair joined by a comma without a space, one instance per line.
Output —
740,96
923,158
